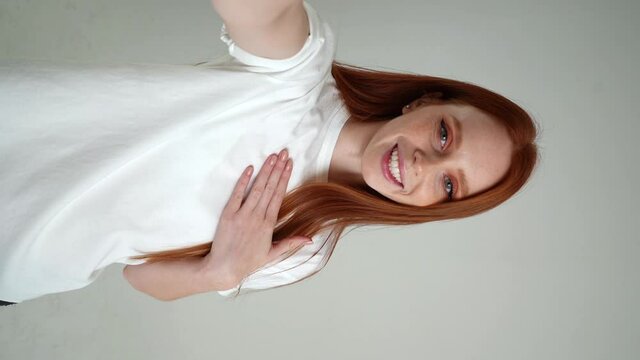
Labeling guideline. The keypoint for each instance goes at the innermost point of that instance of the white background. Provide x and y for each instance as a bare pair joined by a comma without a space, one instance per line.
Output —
551,274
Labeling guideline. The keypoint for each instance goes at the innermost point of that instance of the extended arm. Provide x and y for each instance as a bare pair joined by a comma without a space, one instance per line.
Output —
274,29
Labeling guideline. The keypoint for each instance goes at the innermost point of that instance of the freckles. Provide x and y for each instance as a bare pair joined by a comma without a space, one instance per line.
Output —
418,129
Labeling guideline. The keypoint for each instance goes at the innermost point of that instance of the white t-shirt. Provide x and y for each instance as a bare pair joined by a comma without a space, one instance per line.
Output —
102,162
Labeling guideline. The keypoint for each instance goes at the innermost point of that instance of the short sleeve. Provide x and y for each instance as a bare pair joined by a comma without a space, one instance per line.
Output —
313,59
297,266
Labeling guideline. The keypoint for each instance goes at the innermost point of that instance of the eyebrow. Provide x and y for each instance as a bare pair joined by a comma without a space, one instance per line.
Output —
461,175
463,183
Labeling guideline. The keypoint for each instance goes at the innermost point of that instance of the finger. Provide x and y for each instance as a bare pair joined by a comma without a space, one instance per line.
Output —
272,184
276,200
235,201
258,185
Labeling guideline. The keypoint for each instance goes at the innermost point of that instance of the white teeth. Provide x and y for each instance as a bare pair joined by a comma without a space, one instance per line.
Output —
393,165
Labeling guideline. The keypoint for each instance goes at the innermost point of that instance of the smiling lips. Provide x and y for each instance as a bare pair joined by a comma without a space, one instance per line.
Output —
387,171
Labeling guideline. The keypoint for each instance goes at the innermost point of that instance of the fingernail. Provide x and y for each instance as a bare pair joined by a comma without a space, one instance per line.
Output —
272,159
283,155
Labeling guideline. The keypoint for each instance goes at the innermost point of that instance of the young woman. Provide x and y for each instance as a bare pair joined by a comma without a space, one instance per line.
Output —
147,164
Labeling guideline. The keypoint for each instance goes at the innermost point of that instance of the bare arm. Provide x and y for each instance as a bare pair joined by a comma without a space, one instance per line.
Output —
174,279
251,12
274,29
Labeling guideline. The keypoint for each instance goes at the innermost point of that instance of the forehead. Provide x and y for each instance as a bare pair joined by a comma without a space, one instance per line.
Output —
465,112
484,146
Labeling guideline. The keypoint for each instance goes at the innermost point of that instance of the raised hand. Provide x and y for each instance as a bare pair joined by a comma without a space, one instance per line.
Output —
243,238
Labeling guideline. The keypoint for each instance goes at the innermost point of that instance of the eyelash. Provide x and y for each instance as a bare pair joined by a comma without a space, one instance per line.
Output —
453,188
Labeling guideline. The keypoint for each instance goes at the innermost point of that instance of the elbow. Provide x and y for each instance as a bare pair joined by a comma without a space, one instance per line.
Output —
162,298
130,275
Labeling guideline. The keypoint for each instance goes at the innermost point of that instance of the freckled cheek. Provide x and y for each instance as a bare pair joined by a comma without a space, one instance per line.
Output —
418,132
423,194
417,126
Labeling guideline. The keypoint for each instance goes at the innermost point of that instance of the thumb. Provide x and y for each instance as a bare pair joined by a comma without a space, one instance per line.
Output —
287,244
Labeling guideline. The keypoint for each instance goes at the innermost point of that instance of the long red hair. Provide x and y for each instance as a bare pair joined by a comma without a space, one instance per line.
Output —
372,95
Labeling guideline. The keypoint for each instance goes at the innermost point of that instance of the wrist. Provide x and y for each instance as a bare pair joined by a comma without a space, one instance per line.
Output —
214,278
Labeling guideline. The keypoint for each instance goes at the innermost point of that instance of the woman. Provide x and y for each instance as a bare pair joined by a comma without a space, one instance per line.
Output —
140,171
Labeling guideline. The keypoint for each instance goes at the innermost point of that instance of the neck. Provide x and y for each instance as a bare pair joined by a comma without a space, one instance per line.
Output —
346,161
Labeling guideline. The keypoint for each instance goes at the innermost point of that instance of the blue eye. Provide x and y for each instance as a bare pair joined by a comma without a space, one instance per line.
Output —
448,187
448,184
444,134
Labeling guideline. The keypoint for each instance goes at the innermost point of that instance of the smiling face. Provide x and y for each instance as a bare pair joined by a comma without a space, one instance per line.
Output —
434,155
